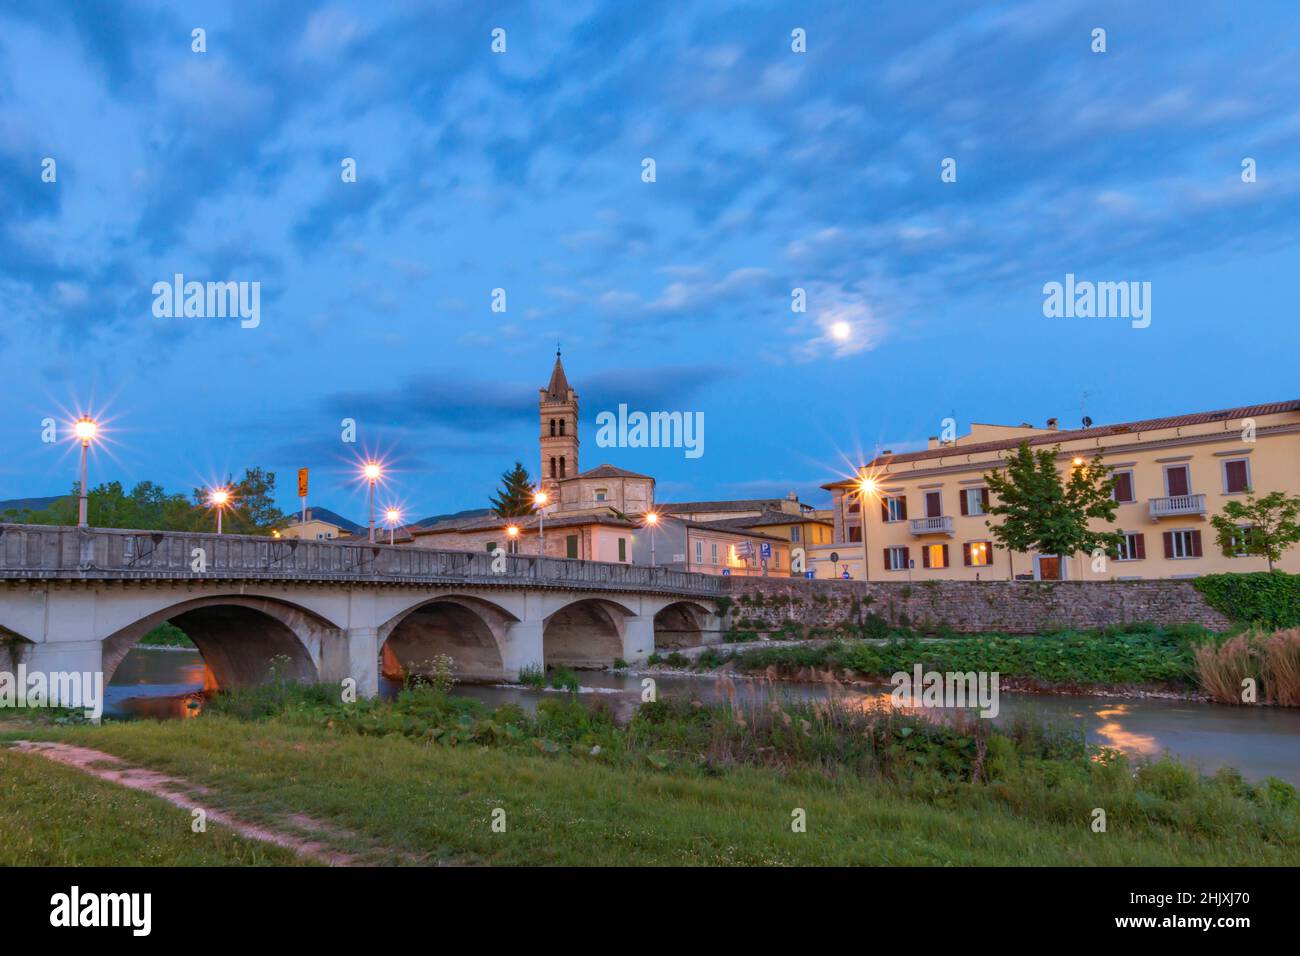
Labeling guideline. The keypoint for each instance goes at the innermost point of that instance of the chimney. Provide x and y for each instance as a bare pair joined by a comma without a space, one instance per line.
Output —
792,496
1052,423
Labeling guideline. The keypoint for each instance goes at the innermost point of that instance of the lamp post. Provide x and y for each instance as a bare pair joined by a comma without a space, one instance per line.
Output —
512,532
219,498
540,500
867,487
652,521
392,516
85,429
372,471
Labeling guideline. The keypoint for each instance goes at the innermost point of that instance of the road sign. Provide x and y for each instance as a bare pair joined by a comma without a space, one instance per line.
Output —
765,549
845,575
302,482
726,572
810,574
835,557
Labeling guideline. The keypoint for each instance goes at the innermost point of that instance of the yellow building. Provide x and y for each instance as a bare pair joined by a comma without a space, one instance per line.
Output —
314,528
926,518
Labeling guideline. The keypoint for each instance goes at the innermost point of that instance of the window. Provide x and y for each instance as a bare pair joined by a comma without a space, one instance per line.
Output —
561,466
776,558
794,534
855,533
491,546
934,556
622,549
896,558
1178,481
1132,547
1236,476
512,547
1240,540
1183,544
893,508
552,467
974,501
552,427
699,552
571,546
977,554
601,493
561,426
855,506
933,504
1123,491
713,552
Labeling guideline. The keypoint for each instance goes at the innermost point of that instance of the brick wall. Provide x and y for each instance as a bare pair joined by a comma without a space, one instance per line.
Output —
969,606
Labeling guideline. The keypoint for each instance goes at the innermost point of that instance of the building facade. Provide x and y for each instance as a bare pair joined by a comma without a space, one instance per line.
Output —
926,517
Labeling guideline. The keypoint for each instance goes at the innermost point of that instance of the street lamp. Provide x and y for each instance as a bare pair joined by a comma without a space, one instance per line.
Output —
512,532
652,521
219,498
540,500
392,516
85,429
867,487
372,472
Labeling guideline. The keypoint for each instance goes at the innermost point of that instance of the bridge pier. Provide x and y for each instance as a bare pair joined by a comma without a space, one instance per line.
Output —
66,657
363,659
638,638
522,648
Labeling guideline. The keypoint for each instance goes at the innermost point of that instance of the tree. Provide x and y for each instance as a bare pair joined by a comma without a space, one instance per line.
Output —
1045,512
515,499
1264,528
252,509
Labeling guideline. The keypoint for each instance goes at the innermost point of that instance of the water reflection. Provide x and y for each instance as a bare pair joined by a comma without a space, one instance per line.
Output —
1258,741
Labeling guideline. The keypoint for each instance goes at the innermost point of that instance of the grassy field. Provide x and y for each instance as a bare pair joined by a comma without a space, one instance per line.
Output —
56,816
418,781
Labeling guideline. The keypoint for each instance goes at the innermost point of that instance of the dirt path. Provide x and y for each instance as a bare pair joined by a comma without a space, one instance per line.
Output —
187,795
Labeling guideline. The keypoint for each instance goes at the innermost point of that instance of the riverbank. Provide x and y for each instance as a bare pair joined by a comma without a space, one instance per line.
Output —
422,778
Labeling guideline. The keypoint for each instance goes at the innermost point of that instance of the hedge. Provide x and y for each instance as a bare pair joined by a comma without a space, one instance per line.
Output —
1267,598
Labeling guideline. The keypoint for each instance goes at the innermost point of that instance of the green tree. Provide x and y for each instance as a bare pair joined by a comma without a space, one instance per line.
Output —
1043,511
252,509
515,498
1263,527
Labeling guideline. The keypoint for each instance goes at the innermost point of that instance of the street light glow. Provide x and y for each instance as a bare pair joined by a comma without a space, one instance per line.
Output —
219,497
540,499
372,471
513,531
651,518
86,428
868,486
392,516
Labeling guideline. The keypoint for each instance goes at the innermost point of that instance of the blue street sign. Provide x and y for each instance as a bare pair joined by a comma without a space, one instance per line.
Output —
765,549
846,575
726,572
810,574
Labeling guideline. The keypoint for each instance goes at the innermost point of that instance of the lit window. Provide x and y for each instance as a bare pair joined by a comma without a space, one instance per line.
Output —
978,554
935,555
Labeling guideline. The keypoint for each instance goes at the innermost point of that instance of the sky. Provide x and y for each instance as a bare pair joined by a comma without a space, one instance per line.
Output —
524,171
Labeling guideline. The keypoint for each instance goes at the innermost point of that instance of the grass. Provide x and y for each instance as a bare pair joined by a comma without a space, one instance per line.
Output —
417,779
1271,661
1134,654
51,815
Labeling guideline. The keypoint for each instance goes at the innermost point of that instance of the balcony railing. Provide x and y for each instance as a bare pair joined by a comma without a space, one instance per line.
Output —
1177,506
940,525
39,551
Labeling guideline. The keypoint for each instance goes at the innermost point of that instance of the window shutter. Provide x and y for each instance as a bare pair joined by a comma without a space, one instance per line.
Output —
884,509
946,563
925,557
907,557
1235,472
1140,545
961,497
902,502
1196,544
984,498
965,550
988,551
1169,544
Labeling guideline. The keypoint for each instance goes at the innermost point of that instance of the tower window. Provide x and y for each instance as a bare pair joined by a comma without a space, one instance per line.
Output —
552,467
561,426
561,466
552,427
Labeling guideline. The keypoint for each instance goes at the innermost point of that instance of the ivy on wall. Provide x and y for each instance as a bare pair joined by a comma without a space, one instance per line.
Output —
1267,598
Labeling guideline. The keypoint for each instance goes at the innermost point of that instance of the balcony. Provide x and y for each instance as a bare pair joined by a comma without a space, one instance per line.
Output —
1177,506
940,525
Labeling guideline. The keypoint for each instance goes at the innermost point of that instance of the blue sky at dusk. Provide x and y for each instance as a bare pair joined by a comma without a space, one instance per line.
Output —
522,170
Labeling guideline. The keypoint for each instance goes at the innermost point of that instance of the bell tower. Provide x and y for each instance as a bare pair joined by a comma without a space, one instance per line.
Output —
558,410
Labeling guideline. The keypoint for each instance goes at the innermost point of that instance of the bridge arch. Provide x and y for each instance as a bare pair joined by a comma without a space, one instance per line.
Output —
587,632
469,630
680,624
13,649
243,639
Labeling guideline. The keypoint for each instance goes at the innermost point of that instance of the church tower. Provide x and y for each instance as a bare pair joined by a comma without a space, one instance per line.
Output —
558,409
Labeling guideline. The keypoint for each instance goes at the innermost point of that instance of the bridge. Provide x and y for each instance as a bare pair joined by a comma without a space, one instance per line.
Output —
78,599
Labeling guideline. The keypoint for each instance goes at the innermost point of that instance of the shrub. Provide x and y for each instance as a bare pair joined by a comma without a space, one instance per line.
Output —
1272,661
620,664
564,679
532,676
1268,598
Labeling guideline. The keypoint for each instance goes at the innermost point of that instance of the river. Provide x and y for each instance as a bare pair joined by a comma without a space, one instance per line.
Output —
1258,741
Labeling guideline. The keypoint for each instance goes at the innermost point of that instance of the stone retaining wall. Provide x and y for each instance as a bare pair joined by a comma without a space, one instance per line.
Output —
774,604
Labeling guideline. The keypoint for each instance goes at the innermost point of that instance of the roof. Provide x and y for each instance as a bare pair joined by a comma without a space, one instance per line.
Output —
741,504
609,471
525,523
766,519
558,390
1053,437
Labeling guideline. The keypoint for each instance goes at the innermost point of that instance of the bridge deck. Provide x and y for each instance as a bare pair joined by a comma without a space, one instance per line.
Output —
41,552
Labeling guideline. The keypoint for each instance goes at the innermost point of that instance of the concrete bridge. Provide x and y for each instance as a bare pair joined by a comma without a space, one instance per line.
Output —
76,600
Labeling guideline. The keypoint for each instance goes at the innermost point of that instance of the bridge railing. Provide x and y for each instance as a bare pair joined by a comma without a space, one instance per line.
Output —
34,551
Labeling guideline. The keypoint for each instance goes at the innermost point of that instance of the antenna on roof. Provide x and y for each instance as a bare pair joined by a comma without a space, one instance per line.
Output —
557,348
